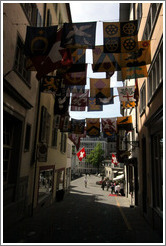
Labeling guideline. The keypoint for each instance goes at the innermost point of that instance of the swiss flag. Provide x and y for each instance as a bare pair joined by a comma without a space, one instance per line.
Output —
114,160
81,154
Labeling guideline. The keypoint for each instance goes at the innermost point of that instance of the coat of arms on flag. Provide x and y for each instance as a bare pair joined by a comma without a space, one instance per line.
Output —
93,127
125,123
126,93
114,160
100,88
109,124
39,40
92,106
50,84
81,154
79,101
120,36
79,35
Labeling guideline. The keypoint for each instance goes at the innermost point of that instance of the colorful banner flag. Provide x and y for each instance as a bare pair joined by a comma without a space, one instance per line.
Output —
39,40
128,104
75,138
61,105
79,101
103,62
50,84
100,88
111,136
64,123
134,72
74,89
81,154
79,35
77,126
58,57
138,58
120,37
126,93
78,56
75,78
93,127
106,101
125,123
114,160
92,106
109,124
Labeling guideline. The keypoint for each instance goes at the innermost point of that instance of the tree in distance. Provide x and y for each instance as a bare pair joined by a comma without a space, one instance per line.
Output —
96,156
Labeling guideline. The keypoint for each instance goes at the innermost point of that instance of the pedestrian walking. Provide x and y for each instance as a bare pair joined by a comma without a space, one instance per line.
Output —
122,189
85,181
108,184
103,184
112,188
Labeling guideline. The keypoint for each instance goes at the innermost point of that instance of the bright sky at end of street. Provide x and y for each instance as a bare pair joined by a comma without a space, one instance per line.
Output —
99,12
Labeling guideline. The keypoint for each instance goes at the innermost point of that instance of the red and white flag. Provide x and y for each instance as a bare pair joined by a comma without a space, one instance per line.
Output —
114,160
81,154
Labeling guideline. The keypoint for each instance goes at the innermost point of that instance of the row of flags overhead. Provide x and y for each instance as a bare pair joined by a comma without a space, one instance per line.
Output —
64,50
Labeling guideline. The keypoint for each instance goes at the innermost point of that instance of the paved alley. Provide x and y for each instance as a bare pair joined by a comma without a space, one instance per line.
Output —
86,215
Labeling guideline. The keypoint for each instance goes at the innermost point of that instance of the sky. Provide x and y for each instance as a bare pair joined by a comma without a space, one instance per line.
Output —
99,12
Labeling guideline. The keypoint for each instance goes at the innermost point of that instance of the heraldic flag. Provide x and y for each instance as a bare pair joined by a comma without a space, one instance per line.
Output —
39,40
81,154
120,37
114,160
79,35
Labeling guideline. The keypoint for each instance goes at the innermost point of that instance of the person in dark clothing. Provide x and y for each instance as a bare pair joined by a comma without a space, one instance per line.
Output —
103,184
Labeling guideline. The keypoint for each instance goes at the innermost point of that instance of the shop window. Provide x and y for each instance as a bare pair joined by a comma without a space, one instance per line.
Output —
30,10
46,176
63,142
27,137
60,179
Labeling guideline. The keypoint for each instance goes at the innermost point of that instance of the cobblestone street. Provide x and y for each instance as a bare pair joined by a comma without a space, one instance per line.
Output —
86,215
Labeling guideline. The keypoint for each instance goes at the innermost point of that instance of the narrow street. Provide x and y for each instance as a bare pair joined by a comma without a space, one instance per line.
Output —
86,215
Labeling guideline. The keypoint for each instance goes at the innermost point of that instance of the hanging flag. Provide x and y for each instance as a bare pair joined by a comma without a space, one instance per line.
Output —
114,160
58,57
78,56
77,126
39,40
75,78
64,123
79,101
126,93
128,104
50,84
134,72
74,89
109,124
136,93
61,105
100,88
106,101
92,106
79,35
75,138
81,154
93,127
138,58
120,37
111,136
103,62
125,123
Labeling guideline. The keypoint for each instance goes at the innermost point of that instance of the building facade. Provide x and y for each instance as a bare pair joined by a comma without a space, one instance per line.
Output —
149,115
34,156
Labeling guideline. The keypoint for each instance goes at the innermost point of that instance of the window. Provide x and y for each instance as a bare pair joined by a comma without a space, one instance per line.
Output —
63,142
44,126
20,61
39,20
156,73
27,138
30,10
142,98
49,18
139,13
151,20
54,133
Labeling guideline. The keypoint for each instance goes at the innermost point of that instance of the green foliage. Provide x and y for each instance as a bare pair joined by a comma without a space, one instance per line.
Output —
96,156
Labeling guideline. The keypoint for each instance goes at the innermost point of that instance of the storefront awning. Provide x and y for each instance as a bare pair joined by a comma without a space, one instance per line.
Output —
118,177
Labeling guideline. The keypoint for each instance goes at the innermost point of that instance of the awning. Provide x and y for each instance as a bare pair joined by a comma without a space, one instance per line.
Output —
119,177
